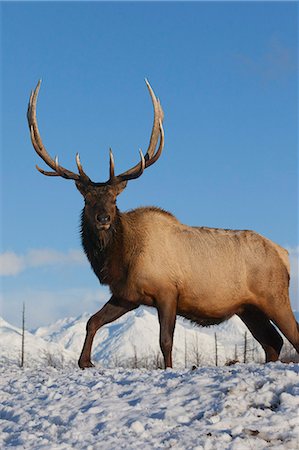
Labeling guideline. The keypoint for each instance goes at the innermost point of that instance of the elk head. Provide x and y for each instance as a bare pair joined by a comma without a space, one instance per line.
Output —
100,198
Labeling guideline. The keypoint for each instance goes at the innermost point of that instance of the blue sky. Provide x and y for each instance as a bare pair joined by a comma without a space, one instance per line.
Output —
226,74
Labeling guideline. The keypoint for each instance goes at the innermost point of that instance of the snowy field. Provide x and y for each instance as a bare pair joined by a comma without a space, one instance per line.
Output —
238,407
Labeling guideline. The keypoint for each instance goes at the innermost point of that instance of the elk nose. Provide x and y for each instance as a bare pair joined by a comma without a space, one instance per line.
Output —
103,220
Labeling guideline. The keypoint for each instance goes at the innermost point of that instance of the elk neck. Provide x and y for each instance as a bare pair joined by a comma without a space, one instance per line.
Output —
104,249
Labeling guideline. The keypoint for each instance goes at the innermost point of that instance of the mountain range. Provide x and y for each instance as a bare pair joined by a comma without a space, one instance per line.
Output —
131,341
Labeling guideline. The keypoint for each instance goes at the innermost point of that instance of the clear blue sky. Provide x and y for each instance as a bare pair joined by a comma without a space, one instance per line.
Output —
226,74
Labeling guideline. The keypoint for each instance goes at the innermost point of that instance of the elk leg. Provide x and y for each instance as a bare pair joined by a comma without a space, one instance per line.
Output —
263,331
281,314
111,311
167,318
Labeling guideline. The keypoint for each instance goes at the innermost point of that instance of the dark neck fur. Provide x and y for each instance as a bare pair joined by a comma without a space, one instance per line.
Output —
101,247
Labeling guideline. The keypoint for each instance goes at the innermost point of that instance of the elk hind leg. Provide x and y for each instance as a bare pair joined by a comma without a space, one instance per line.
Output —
280,313
111,311
263,331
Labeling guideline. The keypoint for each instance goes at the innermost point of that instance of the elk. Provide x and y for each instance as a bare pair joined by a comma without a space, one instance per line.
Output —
147,257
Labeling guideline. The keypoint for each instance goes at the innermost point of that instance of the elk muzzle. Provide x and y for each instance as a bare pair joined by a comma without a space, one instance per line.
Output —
103,221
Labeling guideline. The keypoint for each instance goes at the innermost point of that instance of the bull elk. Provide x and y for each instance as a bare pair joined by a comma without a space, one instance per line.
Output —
147,257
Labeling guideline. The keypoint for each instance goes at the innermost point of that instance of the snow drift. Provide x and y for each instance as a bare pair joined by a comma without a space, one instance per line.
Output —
240,407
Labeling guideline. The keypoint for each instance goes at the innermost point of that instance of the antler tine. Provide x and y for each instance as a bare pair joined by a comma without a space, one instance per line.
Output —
157,155
40,148
83,175
157,131
136,173
158,115
45,172
111,165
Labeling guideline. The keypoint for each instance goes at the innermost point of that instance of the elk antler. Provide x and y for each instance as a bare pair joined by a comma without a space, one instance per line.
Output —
150,156
58,170
41,150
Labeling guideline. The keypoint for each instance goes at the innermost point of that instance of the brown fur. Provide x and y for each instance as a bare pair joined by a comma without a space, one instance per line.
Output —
203,274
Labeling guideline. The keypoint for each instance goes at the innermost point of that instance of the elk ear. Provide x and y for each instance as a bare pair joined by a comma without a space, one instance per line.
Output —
119,187
82,188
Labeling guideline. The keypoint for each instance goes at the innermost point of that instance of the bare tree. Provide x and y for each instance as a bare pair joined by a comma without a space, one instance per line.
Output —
245,348
216,350
23,338
135,358
195,353
186,350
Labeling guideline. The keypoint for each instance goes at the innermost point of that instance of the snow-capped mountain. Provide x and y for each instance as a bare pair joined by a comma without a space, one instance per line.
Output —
37,350
131,341
134,340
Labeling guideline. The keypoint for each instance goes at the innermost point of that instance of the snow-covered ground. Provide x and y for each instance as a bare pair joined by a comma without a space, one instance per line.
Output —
238,407
51,404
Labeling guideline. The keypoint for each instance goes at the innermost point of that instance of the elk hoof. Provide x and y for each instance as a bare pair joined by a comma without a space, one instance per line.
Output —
85,364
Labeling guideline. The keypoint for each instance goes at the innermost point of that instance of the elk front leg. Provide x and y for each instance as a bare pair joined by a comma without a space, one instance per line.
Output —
111,311
167,318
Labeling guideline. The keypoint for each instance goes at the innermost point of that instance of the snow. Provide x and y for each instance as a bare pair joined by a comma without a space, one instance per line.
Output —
135,336
51,404
245,406
37,350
